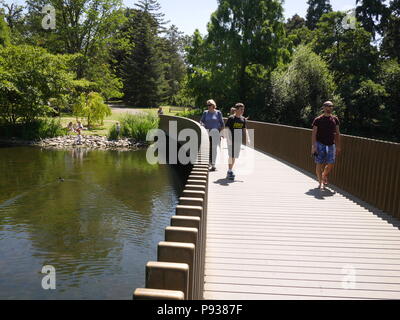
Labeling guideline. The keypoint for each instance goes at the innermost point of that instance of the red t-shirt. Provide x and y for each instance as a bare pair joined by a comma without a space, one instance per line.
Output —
326,129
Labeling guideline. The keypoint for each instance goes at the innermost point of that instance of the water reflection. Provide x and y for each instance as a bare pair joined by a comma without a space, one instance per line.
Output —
98,225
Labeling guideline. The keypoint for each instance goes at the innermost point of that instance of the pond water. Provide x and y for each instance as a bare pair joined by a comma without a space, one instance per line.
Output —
97,226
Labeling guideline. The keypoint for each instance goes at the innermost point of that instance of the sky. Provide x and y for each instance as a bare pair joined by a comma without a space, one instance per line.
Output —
189,15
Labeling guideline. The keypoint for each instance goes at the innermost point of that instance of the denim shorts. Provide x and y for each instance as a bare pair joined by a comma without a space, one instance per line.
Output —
326,154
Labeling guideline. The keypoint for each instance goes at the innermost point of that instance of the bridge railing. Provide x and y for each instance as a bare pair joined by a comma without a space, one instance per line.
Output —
178,273
368,169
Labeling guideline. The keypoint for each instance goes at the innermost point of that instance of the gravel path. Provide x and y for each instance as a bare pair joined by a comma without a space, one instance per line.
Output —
118,109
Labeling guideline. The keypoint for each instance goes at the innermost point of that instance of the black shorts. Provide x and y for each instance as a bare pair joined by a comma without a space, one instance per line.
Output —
234,150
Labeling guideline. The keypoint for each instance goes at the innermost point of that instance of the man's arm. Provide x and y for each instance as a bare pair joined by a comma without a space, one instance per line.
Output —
314,140
338,141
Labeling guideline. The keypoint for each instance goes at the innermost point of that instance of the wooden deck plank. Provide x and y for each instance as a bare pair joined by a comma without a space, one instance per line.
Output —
301,250
292,258
305,254
306,233
216,295
271,235
295,269
321,292
303,264
298,276
327,238
317,221
260,240
303,283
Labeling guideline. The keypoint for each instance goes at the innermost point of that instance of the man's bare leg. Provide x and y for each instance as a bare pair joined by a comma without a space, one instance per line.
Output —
325,173
320,168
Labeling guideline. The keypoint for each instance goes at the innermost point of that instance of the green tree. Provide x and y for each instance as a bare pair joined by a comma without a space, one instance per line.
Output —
153,8
142,68
316,9
370,114
372,15
29,77
4,32
391,29
297,31
348,52
199,78
174,66
102,74
390,79
13,14
92,107
299,89
354,61
86,27
245,42
295,22
81,26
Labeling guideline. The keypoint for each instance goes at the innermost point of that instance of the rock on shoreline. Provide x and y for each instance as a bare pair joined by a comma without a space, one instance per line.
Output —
70,142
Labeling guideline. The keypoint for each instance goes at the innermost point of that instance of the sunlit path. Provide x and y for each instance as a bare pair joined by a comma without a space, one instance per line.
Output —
271,234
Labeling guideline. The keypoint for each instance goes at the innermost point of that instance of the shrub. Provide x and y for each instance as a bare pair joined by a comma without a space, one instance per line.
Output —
299,89
113,134
35,130
135,126
195,113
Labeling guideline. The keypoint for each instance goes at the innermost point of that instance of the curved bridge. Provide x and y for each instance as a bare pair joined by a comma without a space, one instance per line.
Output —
271,234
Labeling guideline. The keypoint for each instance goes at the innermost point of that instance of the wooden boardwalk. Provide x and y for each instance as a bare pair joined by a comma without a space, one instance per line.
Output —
272,235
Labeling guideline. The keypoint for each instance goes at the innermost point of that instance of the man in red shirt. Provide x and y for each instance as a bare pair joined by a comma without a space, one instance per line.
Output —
325,143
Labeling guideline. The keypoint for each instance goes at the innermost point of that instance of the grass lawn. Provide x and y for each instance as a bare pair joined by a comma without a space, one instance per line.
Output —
110,121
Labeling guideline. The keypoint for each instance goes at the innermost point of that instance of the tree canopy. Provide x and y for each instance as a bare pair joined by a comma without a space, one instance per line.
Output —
316,9
245,42
281,70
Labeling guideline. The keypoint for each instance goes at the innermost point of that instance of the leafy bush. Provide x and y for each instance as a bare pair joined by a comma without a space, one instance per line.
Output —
135,126
299,89
191,113
113,134
29,77
92,107
35,130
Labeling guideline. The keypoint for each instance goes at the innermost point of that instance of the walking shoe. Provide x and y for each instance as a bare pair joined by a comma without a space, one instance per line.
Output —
230,175
212,169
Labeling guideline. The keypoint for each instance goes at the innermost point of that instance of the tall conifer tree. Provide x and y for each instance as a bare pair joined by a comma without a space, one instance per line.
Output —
372,14
4,32
316,9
